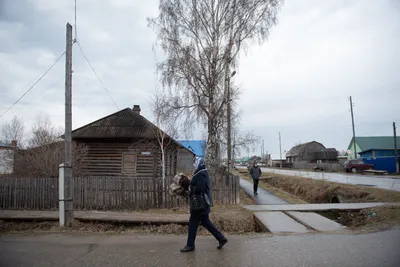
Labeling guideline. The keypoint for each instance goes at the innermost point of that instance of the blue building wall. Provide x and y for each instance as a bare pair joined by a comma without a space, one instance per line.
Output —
367,154
382,164
377,153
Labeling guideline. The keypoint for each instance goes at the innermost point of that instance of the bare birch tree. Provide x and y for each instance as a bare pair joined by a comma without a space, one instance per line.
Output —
202,40
11,134
44,132
166,127
13,131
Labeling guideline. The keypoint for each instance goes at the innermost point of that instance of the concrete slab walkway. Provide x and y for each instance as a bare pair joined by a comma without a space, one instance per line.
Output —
278,223
318,207
315,221
270,217
264,197
122,217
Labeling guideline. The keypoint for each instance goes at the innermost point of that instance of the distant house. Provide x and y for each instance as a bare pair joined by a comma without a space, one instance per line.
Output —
7,157
277,163
311,152
373,146
198,147
124,144
245,161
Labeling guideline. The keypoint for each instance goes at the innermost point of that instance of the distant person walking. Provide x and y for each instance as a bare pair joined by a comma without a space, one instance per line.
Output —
255,173
200,188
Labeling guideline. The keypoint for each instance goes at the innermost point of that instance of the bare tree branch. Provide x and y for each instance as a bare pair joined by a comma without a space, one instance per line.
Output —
200,38
43,132
13,131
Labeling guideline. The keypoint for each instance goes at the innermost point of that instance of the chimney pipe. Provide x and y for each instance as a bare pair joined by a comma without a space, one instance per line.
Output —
13,143
136,109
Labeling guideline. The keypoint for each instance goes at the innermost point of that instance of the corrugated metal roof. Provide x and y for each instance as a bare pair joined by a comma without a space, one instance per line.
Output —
197,146
125,124
122,124
4,145
375,142
294,151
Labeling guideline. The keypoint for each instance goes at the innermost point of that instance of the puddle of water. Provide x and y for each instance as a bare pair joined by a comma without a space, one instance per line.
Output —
370,185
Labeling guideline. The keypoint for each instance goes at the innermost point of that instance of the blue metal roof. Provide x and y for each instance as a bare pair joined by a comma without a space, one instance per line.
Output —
197,146
4,145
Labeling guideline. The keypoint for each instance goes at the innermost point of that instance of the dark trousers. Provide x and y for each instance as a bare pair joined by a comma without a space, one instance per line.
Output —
255,186
195,219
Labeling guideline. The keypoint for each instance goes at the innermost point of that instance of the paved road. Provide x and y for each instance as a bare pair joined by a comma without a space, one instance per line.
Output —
367,180
56,250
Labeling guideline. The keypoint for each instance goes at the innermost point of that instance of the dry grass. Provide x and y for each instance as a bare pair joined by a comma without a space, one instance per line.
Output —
371,219
297,190
276,191
233,219
230,219
177,210
245,199
317,191
242,171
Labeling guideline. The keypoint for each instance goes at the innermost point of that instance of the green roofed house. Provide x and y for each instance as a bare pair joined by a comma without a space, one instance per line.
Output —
245,161
373,146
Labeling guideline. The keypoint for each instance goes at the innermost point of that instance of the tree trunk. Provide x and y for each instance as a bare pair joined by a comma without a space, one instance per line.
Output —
212,147
163,170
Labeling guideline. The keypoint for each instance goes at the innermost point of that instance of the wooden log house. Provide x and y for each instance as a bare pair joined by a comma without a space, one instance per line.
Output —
126,144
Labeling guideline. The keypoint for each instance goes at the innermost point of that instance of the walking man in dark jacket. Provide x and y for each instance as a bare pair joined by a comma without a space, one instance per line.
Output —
255,173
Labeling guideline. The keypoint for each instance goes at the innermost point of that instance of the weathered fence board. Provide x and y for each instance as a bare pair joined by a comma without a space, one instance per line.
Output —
106,193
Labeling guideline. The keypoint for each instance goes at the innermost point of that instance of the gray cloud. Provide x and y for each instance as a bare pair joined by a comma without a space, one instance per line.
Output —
297,83
321,53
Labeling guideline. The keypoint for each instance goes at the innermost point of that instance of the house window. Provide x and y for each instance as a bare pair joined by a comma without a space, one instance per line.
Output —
128,163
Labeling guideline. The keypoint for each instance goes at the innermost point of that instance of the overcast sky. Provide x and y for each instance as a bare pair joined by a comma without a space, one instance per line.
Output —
297,83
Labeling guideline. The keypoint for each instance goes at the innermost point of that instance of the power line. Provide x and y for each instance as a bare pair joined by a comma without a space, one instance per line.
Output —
46,89
76,29
43,91
95,73
30,88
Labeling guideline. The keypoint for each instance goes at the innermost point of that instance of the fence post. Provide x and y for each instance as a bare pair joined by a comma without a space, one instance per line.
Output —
237,190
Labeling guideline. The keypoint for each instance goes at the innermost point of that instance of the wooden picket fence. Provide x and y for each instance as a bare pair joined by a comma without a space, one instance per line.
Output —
106,193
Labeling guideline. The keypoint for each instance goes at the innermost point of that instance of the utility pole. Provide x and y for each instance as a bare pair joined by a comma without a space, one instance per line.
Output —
396,153
66,180
354,131
280,150
262,152
233,150
228,115
228,77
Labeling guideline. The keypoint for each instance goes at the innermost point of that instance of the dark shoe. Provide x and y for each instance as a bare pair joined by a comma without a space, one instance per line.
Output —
255,193
187,249
222,243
